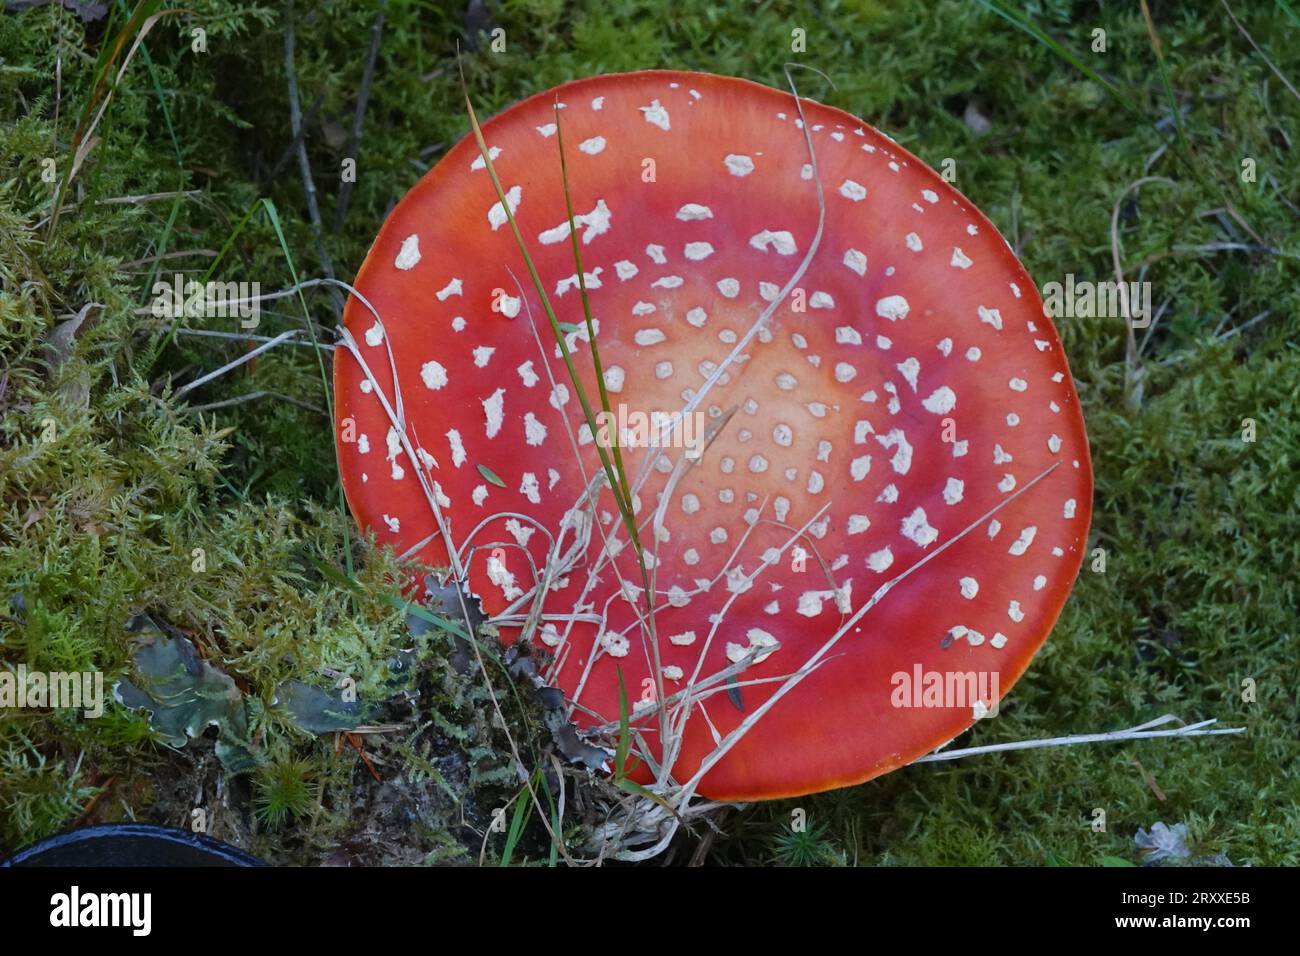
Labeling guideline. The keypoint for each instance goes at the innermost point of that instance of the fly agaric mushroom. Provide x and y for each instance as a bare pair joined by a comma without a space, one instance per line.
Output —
888,473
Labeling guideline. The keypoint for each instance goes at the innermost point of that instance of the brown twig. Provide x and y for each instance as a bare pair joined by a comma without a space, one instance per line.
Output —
253,396
304,167
355,741
1132,372
292,148
147,197
89,808
1263,55
359,117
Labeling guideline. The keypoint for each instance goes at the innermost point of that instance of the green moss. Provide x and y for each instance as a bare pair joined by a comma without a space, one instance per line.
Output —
284,791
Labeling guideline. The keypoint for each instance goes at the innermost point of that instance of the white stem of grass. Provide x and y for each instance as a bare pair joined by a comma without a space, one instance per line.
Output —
1140,732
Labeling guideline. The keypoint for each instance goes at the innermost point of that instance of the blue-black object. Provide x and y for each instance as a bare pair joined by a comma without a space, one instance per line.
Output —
130,844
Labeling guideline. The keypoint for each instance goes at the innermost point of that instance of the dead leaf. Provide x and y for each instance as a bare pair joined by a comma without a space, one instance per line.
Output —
976,121
446,597
1163,842
335,135
576,750
60,341
1150,780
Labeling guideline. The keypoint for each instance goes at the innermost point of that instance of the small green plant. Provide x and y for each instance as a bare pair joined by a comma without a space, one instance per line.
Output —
284,790
805,846
36,795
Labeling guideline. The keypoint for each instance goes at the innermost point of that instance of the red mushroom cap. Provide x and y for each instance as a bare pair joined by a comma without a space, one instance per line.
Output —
896,479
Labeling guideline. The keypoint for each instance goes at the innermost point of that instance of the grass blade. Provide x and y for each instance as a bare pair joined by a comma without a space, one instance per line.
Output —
586,312
624,730
523,810
616,486
1022,22
1164,77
